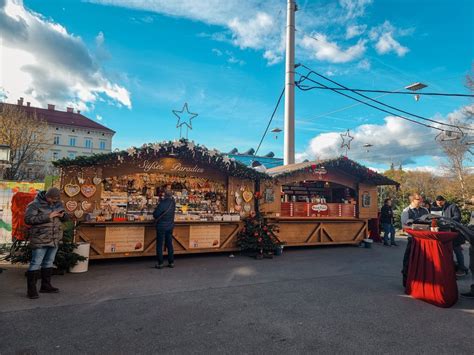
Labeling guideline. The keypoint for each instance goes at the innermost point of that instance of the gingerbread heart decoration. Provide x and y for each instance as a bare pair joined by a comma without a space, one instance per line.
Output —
88,190
238,208
71,205
72,189
78,213
96,180
86,205
247,195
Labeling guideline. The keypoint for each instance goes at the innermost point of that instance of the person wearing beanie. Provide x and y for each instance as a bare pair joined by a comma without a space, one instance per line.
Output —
45,216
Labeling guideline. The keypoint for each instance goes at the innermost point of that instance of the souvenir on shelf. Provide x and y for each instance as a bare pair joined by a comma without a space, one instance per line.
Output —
72,189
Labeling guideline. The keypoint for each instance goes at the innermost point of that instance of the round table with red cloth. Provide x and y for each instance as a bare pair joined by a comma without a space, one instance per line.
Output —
431,272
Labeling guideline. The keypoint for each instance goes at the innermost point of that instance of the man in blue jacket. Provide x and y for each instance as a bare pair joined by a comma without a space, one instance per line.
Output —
164,218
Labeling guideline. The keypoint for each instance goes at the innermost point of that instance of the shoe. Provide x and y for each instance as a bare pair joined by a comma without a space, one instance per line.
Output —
171,265
394,244
46,286
469,294
31,278
386,244
159,266
461,273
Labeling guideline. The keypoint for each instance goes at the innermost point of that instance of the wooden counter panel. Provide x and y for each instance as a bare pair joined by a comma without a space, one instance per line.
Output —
95,234
300,232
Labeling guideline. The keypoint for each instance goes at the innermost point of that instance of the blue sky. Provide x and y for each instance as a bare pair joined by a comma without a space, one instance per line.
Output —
130,63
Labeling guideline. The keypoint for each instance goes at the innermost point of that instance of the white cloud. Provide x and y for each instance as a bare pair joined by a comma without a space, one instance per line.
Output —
396,140
384,38
354,8
44,63
323,49
98,117
355,30
364,64
217,52
260,25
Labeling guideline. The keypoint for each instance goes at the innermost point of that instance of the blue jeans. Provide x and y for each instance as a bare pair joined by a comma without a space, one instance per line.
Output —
43,258
167,237
388,228
460,257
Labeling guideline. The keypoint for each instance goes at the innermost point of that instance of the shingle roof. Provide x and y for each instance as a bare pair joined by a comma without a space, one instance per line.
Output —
55,117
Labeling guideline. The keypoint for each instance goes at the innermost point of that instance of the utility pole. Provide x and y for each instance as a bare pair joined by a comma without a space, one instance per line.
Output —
289,140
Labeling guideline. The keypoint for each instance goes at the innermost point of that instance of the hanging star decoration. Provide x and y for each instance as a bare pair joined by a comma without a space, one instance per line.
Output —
184,118
346,140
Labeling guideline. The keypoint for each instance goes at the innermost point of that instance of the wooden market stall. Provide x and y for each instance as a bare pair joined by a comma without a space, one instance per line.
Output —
112,196
325,202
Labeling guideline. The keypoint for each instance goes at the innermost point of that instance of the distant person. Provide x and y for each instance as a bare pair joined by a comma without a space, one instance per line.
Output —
451,211
164,218
412,212
44,215
387,220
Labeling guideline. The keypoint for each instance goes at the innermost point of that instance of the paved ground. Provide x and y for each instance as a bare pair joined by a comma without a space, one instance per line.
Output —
321,300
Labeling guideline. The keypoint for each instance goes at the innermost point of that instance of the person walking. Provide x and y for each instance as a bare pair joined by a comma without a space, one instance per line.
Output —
386,218
164,218
45,216
412,212
451,211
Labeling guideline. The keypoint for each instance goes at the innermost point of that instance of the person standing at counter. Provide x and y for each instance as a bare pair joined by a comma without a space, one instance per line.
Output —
44,215
412,212
164,219
451,211
386,218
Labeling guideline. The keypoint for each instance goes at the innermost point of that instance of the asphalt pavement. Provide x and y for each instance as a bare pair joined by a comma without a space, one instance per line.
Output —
318,300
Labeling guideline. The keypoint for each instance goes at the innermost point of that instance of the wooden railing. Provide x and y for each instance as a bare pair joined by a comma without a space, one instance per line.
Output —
304,209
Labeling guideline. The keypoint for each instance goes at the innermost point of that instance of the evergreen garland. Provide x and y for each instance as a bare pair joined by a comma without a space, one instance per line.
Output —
183,149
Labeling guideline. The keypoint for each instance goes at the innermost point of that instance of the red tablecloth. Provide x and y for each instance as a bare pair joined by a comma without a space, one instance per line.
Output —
431,273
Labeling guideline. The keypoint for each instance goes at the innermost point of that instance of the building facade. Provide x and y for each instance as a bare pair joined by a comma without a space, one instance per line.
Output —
71,134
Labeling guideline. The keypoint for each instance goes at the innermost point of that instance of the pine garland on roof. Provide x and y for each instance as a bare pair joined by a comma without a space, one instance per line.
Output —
183,149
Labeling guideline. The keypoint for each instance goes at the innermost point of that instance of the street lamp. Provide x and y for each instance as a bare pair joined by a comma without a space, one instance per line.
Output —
415,87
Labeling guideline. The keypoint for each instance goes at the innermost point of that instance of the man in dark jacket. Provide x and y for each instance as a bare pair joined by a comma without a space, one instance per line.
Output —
164,217
44,215
386,218
451,211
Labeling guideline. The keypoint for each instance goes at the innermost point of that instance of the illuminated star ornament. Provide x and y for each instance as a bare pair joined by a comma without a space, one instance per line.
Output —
184,118
346,141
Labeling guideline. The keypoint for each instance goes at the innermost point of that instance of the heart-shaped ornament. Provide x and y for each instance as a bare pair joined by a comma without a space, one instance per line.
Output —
71,205
86,205
72,189
78,213
238,208
88,190
96,180
247,195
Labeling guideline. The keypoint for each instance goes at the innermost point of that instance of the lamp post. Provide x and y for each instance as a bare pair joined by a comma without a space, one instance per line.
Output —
4,158
415,87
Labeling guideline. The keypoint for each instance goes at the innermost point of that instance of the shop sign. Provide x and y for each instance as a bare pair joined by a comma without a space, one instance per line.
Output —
319,207
177,167
124,239
366,200
204,237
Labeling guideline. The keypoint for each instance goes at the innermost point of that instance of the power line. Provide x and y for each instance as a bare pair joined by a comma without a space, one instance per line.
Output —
306,77
270,121
394,92
373,106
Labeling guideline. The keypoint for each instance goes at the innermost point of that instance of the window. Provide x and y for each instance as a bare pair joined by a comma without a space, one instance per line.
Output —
55,156
56,140
102,145
71,155
72,141
88,143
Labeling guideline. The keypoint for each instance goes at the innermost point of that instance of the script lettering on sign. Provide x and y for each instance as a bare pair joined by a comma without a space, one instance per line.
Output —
319,207
148,166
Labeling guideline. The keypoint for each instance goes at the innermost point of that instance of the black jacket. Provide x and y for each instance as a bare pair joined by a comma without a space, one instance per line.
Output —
386,214
164,214
451,211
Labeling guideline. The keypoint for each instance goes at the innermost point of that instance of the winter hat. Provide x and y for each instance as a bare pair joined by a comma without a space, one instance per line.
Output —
53,193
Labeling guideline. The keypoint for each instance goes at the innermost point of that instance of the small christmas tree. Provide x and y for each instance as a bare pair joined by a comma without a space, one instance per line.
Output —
258,236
